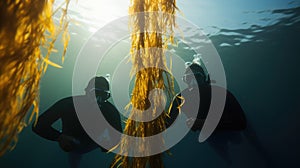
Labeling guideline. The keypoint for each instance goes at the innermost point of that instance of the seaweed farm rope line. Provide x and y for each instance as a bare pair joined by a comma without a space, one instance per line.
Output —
116,31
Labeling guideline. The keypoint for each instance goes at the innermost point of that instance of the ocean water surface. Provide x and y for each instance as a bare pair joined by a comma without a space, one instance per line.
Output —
258,43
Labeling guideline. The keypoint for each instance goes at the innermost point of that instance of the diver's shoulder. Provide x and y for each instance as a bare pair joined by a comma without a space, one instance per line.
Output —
108,104
218,88
63,100
70,99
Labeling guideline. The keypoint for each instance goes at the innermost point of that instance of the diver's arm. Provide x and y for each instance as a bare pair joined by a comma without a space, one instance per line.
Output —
113,117
195,124
43,126
235,119
117,119
174,111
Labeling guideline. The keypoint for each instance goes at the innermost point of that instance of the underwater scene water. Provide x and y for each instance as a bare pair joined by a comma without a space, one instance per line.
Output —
258,43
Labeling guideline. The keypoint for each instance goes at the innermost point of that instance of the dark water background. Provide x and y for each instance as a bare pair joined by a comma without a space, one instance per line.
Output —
262,72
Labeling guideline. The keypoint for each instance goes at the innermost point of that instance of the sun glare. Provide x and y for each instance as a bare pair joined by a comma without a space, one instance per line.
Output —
97,13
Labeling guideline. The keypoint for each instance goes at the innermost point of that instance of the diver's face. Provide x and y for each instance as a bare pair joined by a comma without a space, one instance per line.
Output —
99,99
190,79
101,95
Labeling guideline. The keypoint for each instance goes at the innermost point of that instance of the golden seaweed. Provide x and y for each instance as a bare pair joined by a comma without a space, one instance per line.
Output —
149,67
26,26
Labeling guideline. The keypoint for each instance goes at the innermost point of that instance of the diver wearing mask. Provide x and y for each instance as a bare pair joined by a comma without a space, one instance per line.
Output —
233,117
72,138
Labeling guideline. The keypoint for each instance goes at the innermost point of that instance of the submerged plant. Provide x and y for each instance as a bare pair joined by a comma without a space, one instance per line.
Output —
152,23
26,27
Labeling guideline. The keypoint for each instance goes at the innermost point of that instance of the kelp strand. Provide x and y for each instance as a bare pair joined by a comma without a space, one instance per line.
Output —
149,67
26,27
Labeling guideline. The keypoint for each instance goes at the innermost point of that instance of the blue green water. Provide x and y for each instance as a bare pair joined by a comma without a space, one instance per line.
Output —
258,42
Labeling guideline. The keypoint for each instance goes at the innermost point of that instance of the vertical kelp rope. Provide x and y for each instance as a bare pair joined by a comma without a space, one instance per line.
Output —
26,26
149,62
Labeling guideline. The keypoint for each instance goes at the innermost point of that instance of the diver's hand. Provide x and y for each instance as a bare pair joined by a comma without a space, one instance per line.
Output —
67,143
194,123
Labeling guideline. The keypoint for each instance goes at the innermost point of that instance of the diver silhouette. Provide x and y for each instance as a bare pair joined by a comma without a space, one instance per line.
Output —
72,138
233,119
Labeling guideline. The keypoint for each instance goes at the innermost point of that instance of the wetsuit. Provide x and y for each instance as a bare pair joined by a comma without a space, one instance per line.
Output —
233,117
64,110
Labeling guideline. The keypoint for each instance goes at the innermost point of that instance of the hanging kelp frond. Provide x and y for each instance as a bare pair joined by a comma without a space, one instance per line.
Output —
26,26
151,34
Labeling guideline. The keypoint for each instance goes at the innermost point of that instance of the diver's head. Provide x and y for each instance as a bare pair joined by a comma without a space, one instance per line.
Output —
98,88
194,75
